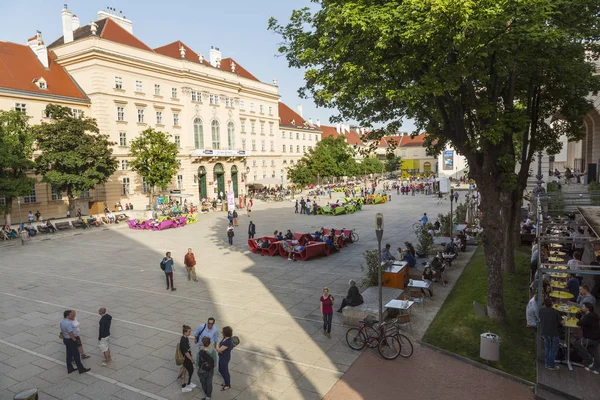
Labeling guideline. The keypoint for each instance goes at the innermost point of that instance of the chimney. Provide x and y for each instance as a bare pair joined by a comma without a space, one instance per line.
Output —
214,55
310,122
318,123
117,17
36,44
337,128
75,22
67,25
299,108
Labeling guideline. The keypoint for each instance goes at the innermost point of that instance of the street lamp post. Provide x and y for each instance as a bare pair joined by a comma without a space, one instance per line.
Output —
451,220
379,233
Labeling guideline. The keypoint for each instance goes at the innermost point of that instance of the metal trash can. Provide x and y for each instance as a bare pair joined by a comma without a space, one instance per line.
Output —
489,348
29,394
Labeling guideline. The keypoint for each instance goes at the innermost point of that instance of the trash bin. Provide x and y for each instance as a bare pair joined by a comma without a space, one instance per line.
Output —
490,347
29,394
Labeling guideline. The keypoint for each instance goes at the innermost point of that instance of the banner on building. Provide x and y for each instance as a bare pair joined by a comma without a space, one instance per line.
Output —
449,160
230,201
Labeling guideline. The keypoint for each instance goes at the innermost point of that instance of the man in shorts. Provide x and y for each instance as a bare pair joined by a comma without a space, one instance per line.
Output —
104,336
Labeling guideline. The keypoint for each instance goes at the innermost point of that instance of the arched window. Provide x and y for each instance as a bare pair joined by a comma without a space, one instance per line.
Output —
198,134
216,135
231,136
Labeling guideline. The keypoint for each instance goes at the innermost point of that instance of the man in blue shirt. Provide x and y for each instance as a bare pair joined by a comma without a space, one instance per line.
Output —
167,263
386,255
68,334
424,219
412,262
209,330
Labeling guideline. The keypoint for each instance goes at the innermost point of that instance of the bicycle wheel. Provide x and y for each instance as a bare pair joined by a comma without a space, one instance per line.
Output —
371,336
356,339
389,347
354,237
406,347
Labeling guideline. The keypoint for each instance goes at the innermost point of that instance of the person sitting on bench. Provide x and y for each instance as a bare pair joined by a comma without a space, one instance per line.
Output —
289,250
288,235
353,298
50,227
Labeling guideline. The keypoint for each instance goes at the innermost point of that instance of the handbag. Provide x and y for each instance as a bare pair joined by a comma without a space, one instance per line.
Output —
179,358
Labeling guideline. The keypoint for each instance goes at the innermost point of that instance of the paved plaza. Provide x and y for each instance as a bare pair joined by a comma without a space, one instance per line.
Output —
272,304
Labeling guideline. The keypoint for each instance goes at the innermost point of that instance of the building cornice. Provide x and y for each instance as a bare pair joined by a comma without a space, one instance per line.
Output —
23,94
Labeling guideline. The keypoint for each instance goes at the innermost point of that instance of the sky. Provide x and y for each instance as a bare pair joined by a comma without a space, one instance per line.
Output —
237,27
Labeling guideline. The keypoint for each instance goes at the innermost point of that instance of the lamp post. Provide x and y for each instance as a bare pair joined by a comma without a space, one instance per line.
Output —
379,233
539,189
451,220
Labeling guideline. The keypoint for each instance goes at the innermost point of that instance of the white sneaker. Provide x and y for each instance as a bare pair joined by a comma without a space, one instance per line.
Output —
186,389
192,385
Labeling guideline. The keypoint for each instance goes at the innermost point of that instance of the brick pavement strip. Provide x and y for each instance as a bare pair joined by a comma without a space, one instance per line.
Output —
272,304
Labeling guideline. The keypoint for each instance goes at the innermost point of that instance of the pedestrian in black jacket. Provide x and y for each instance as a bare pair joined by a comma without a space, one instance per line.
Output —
104,336
353,299
251,230
590,332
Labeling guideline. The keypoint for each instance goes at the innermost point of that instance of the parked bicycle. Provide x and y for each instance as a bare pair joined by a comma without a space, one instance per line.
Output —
371,335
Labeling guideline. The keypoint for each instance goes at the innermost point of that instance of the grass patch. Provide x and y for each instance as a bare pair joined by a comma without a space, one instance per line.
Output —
457,329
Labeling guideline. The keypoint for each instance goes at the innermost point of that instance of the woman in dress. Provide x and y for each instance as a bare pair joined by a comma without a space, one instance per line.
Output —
327,311
224,349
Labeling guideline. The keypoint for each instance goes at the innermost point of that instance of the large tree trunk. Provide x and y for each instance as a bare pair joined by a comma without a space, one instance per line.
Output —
492,203
510,218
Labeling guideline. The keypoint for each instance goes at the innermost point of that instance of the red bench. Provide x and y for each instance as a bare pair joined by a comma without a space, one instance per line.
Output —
312,250
272,250
252,243
339,241
303,238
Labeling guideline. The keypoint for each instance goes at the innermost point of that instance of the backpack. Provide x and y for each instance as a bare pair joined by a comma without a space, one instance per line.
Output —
179,358
235,341
207,363
162,266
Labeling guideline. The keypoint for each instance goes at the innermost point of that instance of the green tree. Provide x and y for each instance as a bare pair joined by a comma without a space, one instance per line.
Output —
74,156
154,159
331,157
488,77
300,175
393,163
370,165
16,158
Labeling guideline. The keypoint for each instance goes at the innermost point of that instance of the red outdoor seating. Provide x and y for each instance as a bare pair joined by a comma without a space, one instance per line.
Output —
303,238
312,250
252,243
339,241
272,250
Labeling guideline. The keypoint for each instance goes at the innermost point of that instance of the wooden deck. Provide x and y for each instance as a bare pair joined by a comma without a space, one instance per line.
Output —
564,384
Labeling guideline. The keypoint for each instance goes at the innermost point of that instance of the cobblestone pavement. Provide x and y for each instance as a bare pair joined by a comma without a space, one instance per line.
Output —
272,305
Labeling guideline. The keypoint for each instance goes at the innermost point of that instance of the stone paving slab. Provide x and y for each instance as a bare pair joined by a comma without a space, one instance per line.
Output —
272,305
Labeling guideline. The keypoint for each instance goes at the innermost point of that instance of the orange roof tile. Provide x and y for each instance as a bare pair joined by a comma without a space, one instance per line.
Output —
417,141
172,50
289,117
327,131
241,71
106,29
19,66
352,137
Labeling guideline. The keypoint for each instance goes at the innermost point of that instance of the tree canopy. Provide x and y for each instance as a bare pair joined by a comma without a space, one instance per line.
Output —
74,156
154,159
393,163
16,157
488,77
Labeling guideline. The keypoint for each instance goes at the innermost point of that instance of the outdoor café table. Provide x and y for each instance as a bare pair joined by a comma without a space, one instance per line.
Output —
555,245
401,305
570,322
558,253
558,284
566,308
561,295
558,275
556,259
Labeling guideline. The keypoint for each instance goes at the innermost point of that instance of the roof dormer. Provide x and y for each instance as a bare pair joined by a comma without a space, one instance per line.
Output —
40,82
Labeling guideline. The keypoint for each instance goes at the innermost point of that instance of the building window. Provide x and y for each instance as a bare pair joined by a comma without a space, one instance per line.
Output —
118,82
174,93
270,129
309,136
76,113
262,145
262,109
291,135
179,182
138,86
85,194
231,136
120,114
55,195
30,199
285,161
272,145
298,135
304,136
262,128
242,105
228,102
264,175
284,148
273,164
177,141
175,119
254,163
196,96
21,107
145,186
214,99
140,116
42,85
243,125
304,149
125,187
251,107
298,149
216,135
253,145
122,139
252,127
270,110
198,134
291,148
157,90
264,163
243,144
124,165
159,120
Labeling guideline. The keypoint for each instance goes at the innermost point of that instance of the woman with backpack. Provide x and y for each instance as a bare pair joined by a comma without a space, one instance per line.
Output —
230,233
206,360
224,349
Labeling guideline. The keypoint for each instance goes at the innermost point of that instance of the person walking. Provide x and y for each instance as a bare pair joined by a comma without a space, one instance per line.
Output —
67,333
206,361
251,230
224,349
550,321
230,233
209,330
296,207
327,311
302,205
167,267
235,218
190,265
78,338
104,336
188,361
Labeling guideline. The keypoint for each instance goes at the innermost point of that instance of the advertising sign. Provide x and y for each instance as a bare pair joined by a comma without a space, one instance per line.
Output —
230,201
449,160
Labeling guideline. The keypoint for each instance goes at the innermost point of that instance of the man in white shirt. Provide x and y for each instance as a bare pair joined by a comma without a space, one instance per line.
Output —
532,313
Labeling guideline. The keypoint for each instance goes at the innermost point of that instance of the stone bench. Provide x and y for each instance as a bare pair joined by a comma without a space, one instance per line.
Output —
370,306
62,225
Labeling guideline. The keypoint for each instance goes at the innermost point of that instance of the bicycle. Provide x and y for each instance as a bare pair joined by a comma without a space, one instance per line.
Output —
354,236
406,346
388,346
